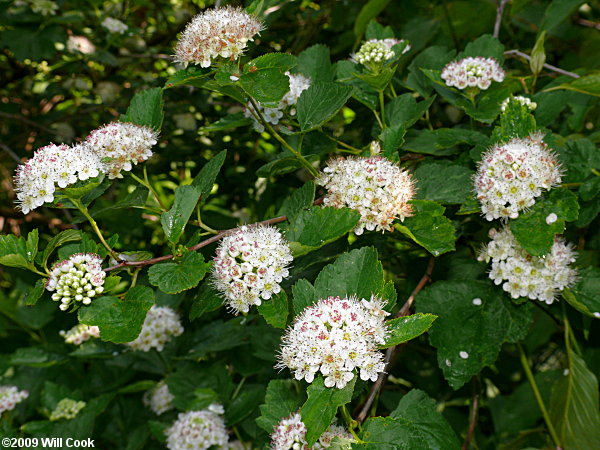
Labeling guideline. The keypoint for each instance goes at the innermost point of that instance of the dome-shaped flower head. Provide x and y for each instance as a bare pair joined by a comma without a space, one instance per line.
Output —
473,72
80,333
335,336
10,396
375,52
249,265
290,434
222,32
114,25
511,175
375,186
524,275
523,101
76,280
198,430
66,409
160,325
120,144
159,399
52,168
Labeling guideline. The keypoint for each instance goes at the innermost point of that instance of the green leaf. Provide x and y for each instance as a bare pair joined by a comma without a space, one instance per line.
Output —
358,272
34,294
228,122
318,226
275,310
192,76
532,231
58,240
538,55
205,179
574,406
590,189
138,197
468,335
175,220
304,295
368,12
300,200
443,182
186,198
404,329
378,31
175,277
443,141
587,84
584,295
515,121
280,61
320,102
486,46
392,138
31,245
281,400
429,228
315,63
279,166
377,81
13,251
345,72
435,432
146,109
207,300
322,404
267,86
405,110
579,157
558,11
387,433
86,191
119,320
435,57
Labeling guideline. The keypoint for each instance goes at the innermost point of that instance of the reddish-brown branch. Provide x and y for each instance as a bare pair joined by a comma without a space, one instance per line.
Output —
391,351
215,238
473,421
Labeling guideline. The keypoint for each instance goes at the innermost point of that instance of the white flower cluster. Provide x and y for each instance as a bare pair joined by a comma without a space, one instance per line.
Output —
196,430
53,167
44,7
336,336
160,325
119,144
114,25
374,186
377,51
290,433
249,265
216,32
524,275
10,396
80,44
80,333
473,72
524,101
298,84
66,409
77,279
159,399
511,175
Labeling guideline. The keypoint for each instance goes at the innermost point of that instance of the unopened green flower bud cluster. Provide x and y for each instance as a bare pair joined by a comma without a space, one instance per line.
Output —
76,280
66,409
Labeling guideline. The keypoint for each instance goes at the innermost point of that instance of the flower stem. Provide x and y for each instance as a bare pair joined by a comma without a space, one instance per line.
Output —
146,183
538,396
256,112
81,207
352,424
382,107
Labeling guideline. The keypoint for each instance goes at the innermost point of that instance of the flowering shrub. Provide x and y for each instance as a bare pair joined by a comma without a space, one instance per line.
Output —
337,224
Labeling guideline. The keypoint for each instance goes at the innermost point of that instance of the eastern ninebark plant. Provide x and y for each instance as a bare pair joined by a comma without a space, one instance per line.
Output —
332,314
